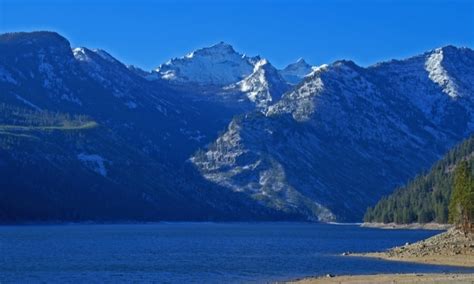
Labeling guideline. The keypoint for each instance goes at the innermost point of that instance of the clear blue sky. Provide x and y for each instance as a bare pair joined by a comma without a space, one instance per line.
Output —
147,33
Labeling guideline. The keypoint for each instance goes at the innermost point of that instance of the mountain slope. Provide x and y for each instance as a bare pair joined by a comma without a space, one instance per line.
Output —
346,135
129,166
84,137
425,198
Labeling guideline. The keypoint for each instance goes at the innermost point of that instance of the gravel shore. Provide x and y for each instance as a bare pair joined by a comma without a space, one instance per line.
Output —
448,248
414,226
392,278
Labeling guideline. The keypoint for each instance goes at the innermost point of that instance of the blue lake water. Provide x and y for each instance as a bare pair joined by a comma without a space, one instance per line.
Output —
196,252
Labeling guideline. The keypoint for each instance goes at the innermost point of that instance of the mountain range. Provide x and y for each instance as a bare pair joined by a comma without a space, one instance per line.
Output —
217,135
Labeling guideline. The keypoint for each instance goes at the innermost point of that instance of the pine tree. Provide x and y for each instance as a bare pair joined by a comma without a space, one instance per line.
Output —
461,207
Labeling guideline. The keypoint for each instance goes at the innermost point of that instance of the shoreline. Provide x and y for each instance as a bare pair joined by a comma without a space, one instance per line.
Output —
455,261
449,248
391,278
412,226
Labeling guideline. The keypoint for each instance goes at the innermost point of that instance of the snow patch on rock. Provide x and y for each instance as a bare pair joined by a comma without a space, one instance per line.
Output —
438,74
256,86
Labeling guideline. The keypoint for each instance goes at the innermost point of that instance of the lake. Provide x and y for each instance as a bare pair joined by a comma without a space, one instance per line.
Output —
196,252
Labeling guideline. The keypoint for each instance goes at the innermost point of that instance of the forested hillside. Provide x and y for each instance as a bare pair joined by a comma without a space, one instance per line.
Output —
425,198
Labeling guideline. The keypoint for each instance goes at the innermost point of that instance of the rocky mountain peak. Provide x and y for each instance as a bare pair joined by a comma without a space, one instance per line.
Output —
217,65
295,72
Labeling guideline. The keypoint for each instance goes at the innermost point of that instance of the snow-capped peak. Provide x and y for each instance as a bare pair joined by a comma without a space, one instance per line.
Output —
218,65
264,85
295,72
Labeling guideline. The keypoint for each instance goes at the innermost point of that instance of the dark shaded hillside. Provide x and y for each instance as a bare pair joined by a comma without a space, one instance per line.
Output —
425,198
84,138
50,170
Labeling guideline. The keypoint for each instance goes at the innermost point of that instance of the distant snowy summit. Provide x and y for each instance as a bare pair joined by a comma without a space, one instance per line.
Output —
221,65
237,75
296,72
217,65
